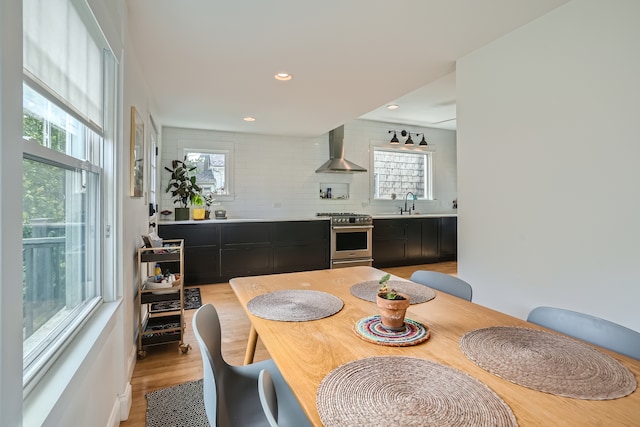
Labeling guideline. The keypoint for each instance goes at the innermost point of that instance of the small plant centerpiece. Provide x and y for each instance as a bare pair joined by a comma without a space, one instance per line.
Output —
183,187
392,305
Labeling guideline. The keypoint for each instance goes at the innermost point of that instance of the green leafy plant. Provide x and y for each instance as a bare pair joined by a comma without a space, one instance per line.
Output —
385,291
208,200
182,185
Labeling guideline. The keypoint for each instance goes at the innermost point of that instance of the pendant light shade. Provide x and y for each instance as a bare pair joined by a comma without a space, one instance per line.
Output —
394,140
424,141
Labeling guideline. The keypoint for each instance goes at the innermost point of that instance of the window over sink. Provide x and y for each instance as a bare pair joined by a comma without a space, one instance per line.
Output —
397,172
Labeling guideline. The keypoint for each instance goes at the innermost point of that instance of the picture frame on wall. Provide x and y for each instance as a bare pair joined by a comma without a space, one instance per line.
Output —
137,154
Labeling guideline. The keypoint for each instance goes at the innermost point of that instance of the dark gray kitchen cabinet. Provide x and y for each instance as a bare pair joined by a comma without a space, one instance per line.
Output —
430,228
201,250
389,241
407,241
300,246
217,252
245,249
448,238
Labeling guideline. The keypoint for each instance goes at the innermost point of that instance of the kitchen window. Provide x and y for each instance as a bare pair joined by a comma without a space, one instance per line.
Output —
68,109
213,170
397,172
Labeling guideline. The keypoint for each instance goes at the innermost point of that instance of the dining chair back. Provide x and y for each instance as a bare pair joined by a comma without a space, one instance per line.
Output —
443,282
588,328
230,393
268,397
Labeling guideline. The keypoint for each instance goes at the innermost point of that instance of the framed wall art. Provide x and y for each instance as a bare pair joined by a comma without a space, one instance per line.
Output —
137,154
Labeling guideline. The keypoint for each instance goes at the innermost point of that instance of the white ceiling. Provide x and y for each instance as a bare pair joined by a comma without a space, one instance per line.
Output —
209,63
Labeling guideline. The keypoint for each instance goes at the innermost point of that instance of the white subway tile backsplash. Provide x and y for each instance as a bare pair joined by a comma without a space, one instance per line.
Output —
275,175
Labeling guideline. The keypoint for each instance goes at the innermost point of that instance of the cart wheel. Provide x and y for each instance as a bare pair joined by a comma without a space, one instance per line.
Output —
184,348
142,354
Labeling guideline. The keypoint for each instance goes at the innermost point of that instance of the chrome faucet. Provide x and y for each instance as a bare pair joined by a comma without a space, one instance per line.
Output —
413,206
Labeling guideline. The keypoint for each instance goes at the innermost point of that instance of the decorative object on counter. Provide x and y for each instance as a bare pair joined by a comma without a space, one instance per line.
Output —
392,305
183,187
417,293
407,391
220,214
405,134
208,201
295,305
371,329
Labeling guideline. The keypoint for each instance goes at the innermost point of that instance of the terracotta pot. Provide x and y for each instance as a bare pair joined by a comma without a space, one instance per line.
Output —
392,312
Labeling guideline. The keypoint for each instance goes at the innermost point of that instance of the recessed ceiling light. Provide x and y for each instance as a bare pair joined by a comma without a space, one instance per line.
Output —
249,119
392,107
283,76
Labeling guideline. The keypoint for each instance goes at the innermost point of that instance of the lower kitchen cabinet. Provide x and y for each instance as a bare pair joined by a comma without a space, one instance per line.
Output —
406,241
448,238
202,250
215,253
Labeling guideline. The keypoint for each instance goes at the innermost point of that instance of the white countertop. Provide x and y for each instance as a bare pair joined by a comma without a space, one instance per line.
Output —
312,218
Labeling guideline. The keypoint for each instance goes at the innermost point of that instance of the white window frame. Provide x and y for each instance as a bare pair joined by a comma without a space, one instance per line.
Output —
104,214
428,177
228,173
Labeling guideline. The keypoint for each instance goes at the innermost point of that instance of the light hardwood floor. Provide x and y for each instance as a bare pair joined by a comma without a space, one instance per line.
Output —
166,366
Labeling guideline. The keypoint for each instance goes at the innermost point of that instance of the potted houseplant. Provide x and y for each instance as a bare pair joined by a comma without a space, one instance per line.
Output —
208,201
392,305
198,207
182,186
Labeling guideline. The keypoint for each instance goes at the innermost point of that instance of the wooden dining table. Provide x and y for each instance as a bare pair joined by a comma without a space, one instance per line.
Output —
307,351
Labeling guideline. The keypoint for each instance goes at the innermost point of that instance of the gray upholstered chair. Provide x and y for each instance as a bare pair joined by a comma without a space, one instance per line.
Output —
588,328
443,282
231,395
268,397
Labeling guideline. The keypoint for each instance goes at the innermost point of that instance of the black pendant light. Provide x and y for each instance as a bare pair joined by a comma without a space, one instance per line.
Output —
424,141
394,140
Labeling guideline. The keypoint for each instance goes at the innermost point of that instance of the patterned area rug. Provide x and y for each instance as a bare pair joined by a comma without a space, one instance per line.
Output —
179,406
192,300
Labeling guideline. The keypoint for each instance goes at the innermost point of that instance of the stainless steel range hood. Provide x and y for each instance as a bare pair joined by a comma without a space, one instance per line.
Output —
337,163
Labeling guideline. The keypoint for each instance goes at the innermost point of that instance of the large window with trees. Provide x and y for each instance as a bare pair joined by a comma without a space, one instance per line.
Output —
68,104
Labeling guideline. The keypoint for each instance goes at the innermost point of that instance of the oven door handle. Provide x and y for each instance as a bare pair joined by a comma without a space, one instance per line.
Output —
352,227
352,261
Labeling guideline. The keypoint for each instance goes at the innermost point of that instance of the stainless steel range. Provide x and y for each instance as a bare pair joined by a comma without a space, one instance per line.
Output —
350,239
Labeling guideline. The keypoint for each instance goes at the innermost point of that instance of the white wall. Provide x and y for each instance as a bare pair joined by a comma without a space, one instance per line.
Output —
275,175
548,174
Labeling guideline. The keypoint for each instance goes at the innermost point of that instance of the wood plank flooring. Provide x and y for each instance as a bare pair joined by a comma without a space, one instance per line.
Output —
166,366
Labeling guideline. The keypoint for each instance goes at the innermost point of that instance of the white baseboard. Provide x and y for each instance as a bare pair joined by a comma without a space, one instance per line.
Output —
124,403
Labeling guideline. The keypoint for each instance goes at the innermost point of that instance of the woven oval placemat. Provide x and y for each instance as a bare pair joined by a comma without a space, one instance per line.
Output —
295,305
548,362
407,391
370,329
417,293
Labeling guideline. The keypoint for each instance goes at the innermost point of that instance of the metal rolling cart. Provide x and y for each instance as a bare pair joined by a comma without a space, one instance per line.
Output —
166,325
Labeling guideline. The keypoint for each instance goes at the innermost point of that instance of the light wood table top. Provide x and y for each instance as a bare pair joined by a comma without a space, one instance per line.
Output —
305,352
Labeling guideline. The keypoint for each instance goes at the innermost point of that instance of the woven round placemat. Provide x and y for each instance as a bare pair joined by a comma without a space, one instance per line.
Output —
295,305
548,362
371,329
417,293
407,391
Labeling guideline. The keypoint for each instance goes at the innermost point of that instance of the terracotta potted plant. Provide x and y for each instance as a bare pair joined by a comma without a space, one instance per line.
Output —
392,305
183,187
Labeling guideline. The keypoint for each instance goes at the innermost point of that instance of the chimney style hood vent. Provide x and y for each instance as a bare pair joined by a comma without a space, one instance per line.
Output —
337,163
